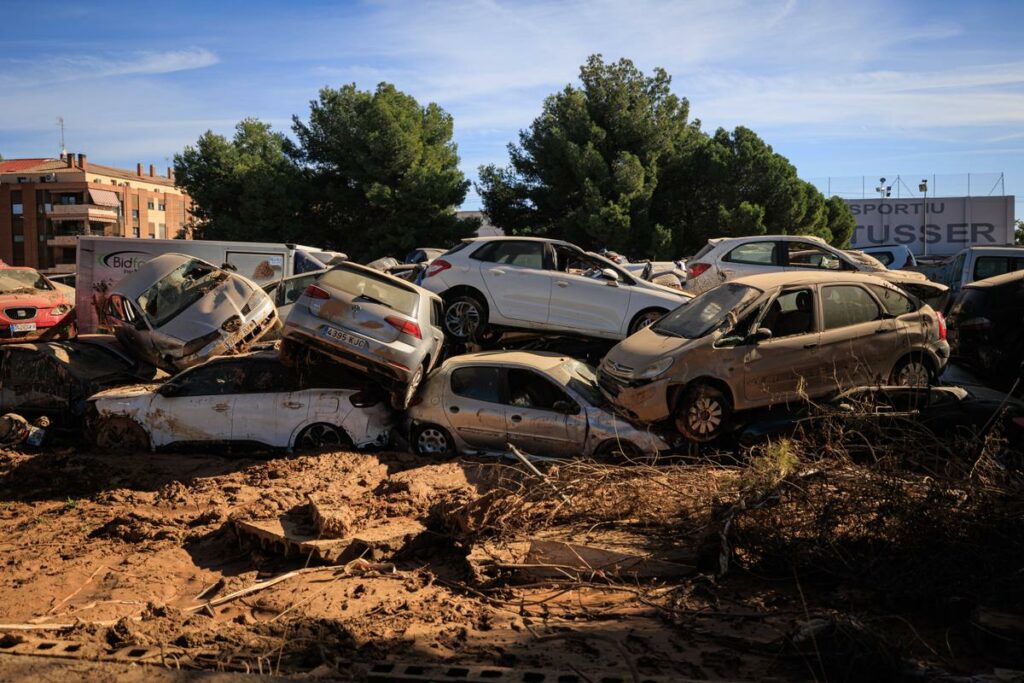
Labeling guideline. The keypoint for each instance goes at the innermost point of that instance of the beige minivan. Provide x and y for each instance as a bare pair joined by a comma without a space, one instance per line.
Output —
767,339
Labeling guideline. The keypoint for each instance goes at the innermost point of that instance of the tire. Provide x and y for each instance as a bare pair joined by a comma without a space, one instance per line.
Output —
401,399
703,413
120,434
430,439
288,352
912,371
645,319
486,336
462,315
618,450
322,436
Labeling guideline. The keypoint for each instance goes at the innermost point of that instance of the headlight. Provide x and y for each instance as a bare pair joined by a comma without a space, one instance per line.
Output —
197,344
656,368
60,310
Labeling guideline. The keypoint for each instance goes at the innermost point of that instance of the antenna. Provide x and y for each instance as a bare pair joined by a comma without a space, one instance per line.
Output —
63,149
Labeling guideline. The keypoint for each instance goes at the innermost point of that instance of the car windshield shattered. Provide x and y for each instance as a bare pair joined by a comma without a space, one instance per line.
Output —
371,289
705,312
22,282
178,290
583,381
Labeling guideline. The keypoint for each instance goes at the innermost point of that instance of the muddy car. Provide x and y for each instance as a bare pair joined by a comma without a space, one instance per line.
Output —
247,401
54,379
34,308
177,311
768,339
544,403
987,327
385,327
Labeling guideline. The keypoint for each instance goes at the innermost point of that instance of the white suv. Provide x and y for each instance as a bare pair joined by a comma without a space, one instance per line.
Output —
727,258
494,283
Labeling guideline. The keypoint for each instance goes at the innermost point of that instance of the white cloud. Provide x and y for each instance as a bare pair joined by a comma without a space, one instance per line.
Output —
26,73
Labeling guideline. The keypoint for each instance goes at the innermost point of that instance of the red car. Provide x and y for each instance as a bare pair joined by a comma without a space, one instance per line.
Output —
32,307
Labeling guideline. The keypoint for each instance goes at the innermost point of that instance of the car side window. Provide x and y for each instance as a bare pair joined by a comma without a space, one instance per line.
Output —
436,313
527,389
885,257
289,291
755,254
845,305
807,255
268,377
477,383
216,379
894,302
526,254
990,266
790,314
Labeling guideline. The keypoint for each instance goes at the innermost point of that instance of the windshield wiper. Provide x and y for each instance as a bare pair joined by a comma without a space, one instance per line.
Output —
371,300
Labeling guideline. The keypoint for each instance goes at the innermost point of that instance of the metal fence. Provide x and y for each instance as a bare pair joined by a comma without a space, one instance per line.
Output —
909,185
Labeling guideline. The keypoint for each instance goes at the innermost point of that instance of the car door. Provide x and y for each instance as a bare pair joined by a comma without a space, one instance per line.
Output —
518,279
534,424
857,341
787,365
582,299
749,258
473,406
197,405
269,406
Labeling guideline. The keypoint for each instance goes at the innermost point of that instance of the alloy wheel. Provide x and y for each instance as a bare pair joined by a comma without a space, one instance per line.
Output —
320,436
462,318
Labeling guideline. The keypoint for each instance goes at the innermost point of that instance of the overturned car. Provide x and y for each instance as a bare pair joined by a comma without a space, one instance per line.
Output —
177,311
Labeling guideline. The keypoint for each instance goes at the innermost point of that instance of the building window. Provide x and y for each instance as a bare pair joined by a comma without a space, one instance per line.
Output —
135,231
161,206
161,231
150,205
135,214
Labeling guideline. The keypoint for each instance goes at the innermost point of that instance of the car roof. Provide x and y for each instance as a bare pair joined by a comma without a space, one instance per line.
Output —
997,281
151,271
399,282
769,238
765,281
1005,247
540,360
509,238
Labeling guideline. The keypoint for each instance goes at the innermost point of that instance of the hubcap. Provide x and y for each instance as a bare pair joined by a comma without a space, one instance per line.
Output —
320,436
646,321
461,319
432,441
704,416
913,374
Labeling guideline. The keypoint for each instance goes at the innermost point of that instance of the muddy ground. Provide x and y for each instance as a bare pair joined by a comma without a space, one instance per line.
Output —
135,558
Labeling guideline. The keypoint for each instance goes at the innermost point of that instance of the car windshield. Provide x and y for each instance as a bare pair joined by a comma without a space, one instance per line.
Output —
866,260
705,312
583,380
22,282
178,290
372,288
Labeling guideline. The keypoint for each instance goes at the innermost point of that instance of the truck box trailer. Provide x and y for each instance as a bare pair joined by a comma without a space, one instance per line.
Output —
103,261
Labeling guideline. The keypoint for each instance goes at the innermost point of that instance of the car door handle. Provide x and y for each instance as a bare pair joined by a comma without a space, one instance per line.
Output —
221,407
812,345
453,409
292,404
516,418
561,283
496,271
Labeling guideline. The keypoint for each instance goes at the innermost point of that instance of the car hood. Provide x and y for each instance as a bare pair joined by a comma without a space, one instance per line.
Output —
125,392
39,299
655,288
643,348
213,310
898,276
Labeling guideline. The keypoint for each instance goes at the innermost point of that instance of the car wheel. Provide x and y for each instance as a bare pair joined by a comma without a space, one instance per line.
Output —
912,371
400,400
120,434
645,319
322,436
462,315
429,439
703,413
618,450
288,352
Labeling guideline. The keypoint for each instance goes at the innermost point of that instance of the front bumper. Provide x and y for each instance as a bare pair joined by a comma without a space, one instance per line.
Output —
46,330
643,401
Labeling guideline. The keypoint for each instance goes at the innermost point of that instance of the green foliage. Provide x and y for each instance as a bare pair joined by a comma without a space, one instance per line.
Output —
1018,232
246,188
615,163
383,171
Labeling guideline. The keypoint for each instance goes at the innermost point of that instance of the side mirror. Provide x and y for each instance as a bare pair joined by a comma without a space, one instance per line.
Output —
761,334
610,275
229,266
566,407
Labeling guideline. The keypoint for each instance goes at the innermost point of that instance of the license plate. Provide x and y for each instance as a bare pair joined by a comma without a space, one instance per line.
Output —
23,327
349,339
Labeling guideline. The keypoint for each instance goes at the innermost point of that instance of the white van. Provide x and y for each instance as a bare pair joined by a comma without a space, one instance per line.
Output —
978,263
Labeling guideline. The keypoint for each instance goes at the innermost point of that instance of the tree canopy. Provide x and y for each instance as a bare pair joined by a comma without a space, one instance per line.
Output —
617,163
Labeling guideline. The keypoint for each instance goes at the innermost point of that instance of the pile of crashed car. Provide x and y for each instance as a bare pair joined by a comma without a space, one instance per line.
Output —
499,341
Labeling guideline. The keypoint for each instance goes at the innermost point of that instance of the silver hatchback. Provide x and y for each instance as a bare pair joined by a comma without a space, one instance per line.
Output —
385,327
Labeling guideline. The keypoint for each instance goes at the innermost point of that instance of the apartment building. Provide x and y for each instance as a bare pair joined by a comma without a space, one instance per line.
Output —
45,204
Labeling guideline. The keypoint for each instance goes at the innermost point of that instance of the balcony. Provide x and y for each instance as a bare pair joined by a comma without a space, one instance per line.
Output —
81,212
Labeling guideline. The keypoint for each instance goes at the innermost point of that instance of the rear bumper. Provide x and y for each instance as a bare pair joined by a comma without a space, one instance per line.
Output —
370,365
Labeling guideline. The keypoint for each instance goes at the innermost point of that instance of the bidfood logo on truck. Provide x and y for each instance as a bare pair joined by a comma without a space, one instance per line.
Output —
125,261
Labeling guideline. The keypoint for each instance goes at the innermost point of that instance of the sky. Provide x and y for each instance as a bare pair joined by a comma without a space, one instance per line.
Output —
844,90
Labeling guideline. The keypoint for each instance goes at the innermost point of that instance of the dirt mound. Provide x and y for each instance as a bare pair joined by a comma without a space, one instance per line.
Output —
136,528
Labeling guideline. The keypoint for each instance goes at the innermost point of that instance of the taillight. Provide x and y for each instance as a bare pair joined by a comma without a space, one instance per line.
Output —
315,292
696,269
942,325
406,326
437,266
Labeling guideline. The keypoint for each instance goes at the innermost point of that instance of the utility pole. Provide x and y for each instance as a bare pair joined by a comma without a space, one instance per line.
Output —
923,187
63,149
883,191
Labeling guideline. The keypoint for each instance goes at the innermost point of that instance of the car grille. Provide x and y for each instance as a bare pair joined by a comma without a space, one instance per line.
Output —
609,383
20,313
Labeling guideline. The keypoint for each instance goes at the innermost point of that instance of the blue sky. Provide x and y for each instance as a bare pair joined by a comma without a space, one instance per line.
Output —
842,89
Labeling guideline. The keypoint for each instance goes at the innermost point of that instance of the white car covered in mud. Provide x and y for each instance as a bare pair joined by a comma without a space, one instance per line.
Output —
251,401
